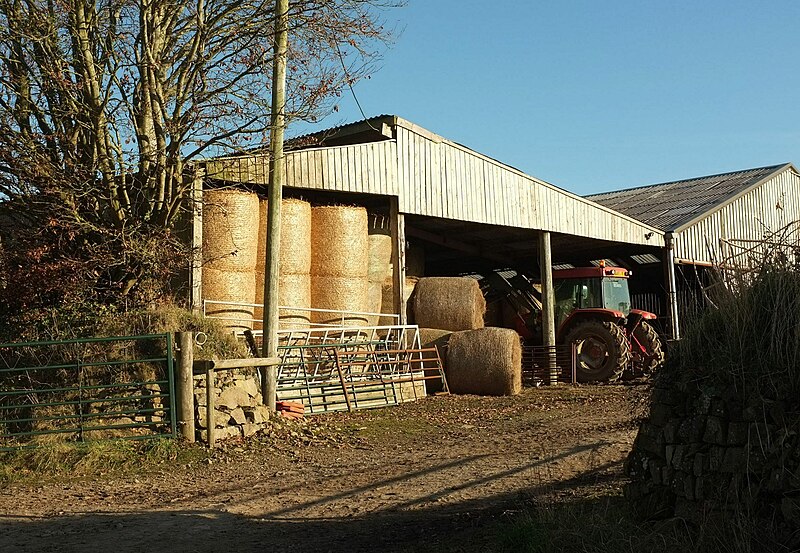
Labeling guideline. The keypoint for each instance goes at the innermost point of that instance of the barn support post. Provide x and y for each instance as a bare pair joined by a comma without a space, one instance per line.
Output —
398,228
196,260
672,288
548,305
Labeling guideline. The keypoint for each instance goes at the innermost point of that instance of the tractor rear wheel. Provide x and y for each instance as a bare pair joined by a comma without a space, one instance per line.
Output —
603,350
648,351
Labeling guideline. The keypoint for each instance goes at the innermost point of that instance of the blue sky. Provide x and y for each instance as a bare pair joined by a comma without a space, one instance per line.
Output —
596,95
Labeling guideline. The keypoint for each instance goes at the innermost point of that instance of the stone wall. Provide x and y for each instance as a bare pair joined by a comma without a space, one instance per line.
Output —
708,448
238,410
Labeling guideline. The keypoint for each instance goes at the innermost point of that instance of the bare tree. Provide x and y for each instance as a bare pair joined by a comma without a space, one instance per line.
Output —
103,103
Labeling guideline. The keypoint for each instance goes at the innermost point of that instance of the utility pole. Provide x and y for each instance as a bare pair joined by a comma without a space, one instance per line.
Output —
276,176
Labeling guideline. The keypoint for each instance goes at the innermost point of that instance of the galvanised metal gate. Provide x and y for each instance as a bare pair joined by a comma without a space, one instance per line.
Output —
83,389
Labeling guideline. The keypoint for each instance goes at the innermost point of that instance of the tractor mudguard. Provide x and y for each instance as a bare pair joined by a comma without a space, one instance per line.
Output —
579,315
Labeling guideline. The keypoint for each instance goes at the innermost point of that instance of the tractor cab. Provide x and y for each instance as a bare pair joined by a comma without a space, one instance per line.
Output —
590,288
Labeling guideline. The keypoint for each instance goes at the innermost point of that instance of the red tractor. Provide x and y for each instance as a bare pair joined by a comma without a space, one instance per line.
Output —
593,310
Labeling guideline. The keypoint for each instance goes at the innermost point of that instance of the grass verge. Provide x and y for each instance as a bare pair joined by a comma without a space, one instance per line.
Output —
77,460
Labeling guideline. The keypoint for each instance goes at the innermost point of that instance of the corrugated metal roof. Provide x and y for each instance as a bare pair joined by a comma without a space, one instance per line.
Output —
671,205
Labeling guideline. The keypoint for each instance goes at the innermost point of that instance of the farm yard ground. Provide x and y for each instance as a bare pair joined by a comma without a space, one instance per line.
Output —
446,473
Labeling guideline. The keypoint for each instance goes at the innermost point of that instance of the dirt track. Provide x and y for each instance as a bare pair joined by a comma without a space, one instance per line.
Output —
434,475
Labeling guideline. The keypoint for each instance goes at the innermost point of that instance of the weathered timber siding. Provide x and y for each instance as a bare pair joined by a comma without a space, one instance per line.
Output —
366,168
434,177
443,179
748,217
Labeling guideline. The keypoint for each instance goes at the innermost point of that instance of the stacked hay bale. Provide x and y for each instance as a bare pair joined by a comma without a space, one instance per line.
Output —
339,263
294,286
380,265
486,361
449,303
230,247
415,269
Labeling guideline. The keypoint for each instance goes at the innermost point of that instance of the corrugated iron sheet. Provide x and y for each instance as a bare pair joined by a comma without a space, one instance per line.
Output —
671,205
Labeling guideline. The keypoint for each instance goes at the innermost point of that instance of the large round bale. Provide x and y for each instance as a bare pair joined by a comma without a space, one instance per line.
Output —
295,256
387,298
230,288
415,260
230,230
449,303
294,291
339,241
486,361
339,294
379,269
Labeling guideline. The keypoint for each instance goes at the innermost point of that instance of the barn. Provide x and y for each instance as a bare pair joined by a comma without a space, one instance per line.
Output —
466,211
707,221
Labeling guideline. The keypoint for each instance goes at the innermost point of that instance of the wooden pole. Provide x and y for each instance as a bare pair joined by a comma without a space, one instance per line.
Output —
548,304
276,177
185,386
210,422
398,229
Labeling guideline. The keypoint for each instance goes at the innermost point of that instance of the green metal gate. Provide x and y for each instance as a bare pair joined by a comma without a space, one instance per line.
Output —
83,389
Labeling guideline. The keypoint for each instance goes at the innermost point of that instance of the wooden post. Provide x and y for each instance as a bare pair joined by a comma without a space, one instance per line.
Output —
548,304
398,228
210,393
185,386
276,177
196,268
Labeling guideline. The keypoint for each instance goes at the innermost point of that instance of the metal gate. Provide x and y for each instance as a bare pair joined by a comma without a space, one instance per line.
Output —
93,388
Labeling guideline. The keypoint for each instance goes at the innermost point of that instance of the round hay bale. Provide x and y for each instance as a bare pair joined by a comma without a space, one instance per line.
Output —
293,291
449,303
339,294
387,298
486,361
295,236
415,260
230,286
374,301
380,257
230,229
339,241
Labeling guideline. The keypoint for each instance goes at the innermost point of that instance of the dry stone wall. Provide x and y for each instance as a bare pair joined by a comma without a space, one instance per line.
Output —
707,448
238,411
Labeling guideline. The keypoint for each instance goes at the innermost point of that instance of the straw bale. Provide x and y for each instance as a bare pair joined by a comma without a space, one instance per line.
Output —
293,291
340,294
230,286
295,236
449,303
339,241
486,361
380,257
374,301
230,229
415,260
387,298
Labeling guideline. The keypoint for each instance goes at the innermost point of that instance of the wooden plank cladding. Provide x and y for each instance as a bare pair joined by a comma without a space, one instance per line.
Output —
434,177
367,168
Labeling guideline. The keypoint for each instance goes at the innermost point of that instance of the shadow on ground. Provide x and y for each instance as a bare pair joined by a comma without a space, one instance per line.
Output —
418,524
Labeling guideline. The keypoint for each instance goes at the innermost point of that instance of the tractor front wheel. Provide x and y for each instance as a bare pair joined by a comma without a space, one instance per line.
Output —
603,351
